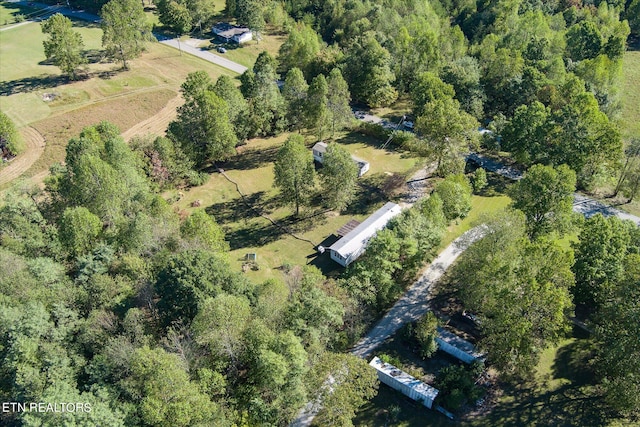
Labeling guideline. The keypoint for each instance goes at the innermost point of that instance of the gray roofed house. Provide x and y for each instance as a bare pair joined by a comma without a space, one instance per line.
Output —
233,33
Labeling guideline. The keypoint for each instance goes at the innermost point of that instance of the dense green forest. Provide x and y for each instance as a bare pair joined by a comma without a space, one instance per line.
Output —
110,297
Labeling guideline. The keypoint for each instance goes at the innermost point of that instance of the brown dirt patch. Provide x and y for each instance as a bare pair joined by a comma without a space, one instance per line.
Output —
156,124
35,145
125,112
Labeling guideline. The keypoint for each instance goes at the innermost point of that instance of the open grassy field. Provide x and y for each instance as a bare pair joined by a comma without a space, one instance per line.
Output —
248,232
630,94
35,94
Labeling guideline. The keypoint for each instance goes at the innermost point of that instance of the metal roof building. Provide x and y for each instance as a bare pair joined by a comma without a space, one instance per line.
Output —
404,383
353,244
320,149
232,33
457,347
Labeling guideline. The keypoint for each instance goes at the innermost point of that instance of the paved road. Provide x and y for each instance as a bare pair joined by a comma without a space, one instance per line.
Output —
206,55
414,303
185,46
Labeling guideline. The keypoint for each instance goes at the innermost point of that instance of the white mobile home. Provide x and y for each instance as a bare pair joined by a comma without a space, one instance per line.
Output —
404,383
320,148
457,347
353,244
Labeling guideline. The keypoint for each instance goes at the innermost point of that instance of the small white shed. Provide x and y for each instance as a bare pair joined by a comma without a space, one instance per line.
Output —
363,165
404,383
318,151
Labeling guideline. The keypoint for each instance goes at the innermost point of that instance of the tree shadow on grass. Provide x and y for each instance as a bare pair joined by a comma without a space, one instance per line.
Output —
254,234
568,405
577,402
30,84
236,210
249,158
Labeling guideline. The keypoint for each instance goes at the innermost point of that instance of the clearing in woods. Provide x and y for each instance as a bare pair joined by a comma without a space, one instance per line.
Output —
35,94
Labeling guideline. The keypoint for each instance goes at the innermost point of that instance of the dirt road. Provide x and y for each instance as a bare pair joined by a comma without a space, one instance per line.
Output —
34,143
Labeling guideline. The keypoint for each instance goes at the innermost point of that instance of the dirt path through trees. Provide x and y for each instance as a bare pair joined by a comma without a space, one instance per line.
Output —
34,143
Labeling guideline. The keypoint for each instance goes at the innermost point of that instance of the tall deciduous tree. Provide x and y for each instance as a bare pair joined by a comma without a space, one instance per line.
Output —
448,132
294,92
294,171
427,87
9,136
599,267
520,290
203,231
455,193
79,229
300,48
203,126
64,46
545,195
317,114
338,99
166,396
354,384
618,361
368,71
251,14
125,28
226,89
339,177
267,109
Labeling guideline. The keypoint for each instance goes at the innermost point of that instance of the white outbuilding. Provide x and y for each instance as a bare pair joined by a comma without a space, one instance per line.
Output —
320,149
353,244
404,383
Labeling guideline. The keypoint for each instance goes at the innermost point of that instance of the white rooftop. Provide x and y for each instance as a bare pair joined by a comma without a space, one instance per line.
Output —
359,236
459,343
320,147
404,378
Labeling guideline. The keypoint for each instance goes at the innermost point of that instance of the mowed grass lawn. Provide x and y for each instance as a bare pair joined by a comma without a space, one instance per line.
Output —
248,232
630,94
108,93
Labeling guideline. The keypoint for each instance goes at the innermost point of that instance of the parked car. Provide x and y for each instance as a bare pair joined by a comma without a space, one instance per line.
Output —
221,49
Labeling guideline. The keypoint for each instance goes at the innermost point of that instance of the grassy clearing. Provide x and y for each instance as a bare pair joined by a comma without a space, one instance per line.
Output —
248,232
123,97
630,94
481,207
